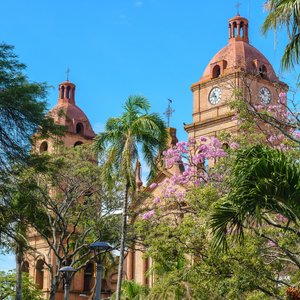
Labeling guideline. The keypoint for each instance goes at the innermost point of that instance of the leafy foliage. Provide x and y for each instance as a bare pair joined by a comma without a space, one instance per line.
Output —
132,291
120,143
22,111
285,13
185,264
123,134
263,181
71,207
8,283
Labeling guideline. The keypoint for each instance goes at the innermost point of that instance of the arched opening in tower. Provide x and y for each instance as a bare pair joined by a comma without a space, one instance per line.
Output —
79,128
263,71
39,276
78,143
216,71
68,92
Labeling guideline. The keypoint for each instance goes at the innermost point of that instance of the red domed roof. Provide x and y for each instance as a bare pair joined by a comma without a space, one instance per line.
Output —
67,113
239,54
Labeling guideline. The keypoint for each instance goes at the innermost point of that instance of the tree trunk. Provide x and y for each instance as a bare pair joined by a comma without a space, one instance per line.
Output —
19,260
123,241
53,288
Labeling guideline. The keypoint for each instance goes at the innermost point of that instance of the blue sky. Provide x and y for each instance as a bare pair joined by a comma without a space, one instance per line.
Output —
117,48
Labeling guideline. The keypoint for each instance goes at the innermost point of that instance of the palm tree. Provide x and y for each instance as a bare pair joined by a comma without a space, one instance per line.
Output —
123,137
286,13
263,181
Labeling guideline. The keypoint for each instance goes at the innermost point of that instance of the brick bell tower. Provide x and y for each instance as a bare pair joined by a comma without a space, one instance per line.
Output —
238,66
67,113
78,131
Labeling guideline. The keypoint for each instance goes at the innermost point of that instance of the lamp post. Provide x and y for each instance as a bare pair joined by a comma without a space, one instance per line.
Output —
67,272
98,248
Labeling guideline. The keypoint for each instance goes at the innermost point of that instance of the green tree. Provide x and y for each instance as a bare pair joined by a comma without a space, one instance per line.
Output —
73,208
132,291
285,13
22,113
263,181
22,109
8,287
121,141
185,263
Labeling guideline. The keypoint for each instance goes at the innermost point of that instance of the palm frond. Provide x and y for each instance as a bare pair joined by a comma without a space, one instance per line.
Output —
263,180
285,13
291,55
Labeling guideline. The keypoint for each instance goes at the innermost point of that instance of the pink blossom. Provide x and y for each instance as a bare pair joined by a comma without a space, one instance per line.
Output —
282,97
148,215
153,185
234,145
281,218
271,244
296,134
194,156
259,106
271,138
157,200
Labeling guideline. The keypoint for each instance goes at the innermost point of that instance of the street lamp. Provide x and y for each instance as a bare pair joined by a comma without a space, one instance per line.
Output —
98,248
68,273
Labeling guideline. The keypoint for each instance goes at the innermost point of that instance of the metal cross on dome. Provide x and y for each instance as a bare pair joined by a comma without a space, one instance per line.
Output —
169,111
68,73
238,4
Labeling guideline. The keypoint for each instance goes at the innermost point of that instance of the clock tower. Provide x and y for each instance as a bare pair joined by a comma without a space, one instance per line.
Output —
237,67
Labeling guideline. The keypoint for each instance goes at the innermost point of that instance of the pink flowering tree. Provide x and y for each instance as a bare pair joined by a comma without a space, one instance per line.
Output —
192,165
276,122
176,226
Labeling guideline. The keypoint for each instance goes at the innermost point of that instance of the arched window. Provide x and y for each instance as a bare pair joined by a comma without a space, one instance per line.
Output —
73,93
216,71
62,92
25,267
79,128
242,29
39,276
78,143
43,147
68,92
263,71
234,29
88,281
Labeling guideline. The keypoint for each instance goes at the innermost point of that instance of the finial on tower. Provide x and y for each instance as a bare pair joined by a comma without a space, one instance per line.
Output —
68,73
169,111
238,4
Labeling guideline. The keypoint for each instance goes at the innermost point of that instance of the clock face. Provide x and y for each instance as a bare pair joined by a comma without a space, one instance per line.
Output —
264,95
214,95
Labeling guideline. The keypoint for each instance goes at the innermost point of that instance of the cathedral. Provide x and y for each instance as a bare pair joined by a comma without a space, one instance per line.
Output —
238,65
